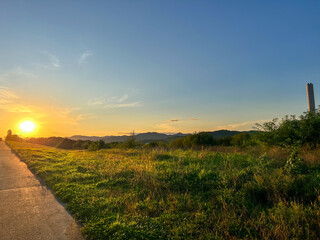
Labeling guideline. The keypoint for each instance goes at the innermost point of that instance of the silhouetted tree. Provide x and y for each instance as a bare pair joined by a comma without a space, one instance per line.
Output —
9,133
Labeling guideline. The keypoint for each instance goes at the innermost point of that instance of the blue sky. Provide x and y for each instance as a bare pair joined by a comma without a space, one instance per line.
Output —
108,67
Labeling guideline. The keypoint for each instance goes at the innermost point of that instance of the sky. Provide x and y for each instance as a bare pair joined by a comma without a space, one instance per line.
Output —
111,67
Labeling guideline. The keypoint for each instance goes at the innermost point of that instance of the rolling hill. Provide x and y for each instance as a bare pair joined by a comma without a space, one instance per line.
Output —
154,136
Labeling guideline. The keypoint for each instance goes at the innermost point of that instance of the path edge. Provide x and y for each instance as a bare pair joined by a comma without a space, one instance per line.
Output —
42,182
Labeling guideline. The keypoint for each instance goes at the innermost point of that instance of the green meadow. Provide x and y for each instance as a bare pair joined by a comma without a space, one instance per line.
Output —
180,194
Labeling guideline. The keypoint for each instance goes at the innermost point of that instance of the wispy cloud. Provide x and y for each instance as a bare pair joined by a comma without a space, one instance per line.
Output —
114,102
175,125
242,126
66,116
124,105
6,94
52,62
183,120
96,102
16,75
171,126
10,102
82,59
123,98
165,128
55,62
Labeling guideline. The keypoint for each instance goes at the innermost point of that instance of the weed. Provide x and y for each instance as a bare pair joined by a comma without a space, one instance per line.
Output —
162,194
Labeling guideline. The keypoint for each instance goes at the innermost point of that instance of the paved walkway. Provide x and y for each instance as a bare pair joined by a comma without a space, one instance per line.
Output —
28,210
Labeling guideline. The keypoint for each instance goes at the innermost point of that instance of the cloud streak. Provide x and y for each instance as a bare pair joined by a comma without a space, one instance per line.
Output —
82,59
53,61
114,102
9,100
12,103
6,94
242,126
183,120
96,102
124,105
167,128
16,75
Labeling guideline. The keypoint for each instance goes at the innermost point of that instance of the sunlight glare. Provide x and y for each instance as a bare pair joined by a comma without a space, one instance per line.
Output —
27,126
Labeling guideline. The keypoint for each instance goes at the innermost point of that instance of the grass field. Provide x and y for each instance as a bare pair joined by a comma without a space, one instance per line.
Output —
150,194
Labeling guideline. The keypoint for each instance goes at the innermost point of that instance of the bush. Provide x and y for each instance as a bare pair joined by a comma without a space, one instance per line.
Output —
155,144
294,163
14,138
131,143
290,131
94,146
194,141
66,144
242,140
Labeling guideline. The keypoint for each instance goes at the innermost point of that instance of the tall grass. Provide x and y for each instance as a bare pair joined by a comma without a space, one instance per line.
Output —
159,194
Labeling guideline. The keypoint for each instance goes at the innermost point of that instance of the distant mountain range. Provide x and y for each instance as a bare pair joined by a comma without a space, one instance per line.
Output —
154,136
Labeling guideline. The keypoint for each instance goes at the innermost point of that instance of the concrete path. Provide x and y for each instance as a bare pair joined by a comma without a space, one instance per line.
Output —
28,210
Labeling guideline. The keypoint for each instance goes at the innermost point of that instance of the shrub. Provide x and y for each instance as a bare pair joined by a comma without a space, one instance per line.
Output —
294,163
290,130
242,140
155,144
131,142
94,146
194,141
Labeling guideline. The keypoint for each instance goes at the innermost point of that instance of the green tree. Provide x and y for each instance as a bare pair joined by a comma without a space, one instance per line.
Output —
242,140
291,131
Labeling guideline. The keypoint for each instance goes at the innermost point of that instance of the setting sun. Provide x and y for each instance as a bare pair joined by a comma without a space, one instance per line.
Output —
27,126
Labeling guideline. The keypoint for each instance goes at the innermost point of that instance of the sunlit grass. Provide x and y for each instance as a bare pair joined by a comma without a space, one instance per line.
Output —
157,194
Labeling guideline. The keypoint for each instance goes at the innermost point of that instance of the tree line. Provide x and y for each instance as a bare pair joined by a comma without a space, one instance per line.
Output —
289,131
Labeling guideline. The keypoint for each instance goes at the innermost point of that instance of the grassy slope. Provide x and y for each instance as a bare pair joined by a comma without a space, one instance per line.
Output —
135,194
